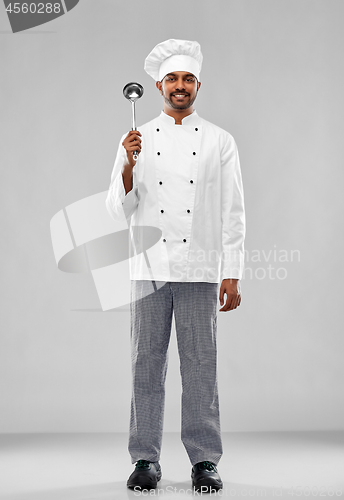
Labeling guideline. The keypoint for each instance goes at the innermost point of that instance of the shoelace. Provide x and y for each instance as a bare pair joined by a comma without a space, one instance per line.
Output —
207,465
142,464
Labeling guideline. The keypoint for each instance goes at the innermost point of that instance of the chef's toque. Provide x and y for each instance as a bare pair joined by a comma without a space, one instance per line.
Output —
174,55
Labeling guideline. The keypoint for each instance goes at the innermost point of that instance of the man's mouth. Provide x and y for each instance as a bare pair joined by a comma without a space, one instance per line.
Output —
179,96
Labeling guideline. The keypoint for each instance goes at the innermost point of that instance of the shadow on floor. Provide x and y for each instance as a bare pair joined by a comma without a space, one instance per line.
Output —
168,490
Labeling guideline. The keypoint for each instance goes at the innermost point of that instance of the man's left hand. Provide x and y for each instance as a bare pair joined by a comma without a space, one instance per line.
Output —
231,287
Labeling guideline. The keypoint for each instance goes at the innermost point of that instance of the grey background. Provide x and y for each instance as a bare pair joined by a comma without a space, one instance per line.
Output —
273,77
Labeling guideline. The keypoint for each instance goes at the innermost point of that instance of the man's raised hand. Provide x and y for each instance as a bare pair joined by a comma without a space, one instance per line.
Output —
132,143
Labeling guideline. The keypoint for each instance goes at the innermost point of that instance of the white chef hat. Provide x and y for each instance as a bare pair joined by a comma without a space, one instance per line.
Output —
174,55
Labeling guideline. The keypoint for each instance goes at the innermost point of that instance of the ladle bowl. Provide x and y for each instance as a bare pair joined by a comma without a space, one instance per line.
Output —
133,91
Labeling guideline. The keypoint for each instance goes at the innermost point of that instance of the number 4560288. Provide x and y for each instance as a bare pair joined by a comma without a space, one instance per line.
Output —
34,8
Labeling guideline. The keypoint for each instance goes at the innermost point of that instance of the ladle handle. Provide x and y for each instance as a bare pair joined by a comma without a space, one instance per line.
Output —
135,153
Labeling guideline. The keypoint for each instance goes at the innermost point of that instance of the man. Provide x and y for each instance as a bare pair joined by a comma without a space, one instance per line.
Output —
186,183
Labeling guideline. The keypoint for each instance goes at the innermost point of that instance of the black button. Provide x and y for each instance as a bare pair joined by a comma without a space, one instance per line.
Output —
184,241
188,211
158,153
157,130
196,129
162,211
160,182
191,181
194,153
164,239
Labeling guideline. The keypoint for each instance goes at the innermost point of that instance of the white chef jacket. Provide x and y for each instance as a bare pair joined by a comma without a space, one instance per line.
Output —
187,184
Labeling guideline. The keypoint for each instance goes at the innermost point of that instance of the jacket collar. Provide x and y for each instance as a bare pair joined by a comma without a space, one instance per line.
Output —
192,119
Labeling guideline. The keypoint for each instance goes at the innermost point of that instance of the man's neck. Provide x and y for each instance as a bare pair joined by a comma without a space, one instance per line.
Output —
178,115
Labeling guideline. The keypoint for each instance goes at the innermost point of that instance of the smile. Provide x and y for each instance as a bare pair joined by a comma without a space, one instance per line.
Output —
179,96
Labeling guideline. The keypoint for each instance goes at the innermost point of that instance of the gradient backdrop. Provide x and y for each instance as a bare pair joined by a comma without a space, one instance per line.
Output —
273,77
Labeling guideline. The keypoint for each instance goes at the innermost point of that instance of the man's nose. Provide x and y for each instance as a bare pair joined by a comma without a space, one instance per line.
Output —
180,85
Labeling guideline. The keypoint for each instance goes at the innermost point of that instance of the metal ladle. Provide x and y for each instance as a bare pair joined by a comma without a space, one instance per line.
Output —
133,91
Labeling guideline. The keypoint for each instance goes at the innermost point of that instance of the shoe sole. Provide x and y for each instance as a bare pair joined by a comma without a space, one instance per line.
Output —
204,488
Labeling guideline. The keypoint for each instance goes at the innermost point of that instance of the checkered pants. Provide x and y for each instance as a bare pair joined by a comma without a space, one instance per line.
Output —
195,309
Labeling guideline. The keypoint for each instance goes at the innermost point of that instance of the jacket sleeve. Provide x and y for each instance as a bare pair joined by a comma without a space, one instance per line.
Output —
233,213
121,206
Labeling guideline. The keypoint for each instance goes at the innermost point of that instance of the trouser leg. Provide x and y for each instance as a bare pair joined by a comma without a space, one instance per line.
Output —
195,309
150,330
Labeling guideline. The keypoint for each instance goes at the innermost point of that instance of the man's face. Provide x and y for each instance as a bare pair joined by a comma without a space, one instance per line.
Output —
179,89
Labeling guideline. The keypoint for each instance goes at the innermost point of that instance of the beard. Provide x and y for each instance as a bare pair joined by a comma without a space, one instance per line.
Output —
185,105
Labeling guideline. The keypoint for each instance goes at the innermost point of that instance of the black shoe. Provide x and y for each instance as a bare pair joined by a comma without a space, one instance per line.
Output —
145,476
205,477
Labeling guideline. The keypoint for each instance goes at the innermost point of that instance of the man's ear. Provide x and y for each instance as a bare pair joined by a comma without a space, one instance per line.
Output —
159,86
198,86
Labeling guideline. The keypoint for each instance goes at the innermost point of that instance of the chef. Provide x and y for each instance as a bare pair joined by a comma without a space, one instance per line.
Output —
187,185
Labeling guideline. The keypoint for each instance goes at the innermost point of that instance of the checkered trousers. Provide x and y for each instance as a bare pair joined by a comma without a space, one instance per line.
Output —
195,309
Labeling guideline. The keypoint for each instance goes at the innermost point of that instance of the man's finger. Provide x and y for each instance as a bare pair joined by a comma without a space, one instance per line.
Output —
134,140
221,296
225,307
135,147
134,134
230,304
235,303
135,144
